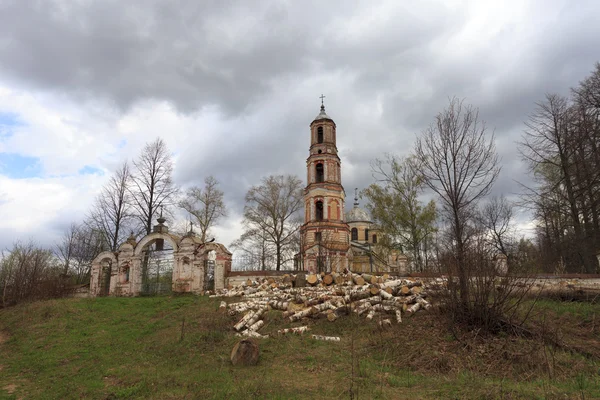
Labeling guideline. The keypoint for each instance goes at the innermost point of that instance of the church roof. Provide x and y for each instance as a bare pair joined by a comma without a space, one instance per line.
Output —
322,114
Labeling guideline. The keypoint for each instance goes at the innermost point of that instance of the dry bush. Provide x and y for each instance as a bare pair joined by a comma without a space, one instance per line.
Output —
495,302
28,272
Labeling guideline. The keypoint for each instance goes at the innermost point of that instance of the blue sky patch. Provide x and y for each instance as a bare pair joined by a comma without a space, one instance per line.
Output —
7,122
16,166
89,170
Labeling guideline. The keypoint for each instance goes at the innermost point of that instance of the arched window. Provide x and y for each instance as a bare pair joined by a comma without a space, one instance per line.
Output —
366,235
320,134
354,234
320,173
319,210
374,238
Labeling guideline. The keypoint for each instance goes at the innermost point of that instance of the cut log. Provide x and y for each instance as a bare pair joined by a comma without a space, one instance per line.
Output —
405,290
374,289
358,280
332,316
223,307
398,316
328,279
392,284
298,330
357,295
385,295
300,280
252,334
242,323
326,338
371,314
385,323
338,279
278,305
245,352
416,289
257,315
248,282
312,279
304,313
256,326
424,303
413,309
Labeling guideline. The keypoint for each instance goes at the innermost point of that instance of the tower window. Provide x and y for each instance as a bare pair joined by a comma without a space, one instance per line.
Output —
320,134
319,209
366,235
354,234
317,236
320,173
374,238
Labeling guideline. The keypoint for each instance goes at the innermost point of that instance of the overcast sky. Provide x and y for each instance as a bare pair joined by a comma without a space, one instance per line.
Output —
232,87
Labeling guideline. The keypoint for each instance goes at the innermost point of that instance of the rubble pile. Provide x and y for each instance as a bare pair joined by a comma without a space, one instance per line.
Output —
376,298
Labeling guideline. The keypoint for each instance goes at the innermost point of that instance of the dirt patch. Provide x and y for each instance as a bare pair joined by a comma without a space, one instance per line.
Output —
3,337
10,389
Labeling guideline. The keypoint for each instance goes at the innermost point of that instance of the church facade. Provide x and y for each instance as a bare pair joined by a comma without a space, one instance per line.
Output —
332,240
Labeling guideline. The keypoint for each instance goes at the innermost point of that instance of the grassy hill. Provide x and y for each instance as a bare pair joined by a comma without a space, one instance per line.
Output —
179,347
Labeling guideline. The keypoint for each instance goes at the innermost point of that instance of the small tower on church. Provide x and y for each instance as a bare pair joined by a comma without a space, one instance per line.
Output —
325,235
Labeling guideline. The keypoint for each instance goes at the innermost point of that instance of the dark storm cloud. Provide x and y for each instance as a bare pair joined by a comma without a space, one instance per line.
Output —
387,69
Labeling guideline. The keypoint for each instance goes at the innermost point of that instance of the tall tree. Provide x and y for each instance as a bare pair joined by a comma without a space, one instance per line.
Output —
79,245
460,164
152,185
497,217
557,150
395,205
256,248
273,208
112,211
206,205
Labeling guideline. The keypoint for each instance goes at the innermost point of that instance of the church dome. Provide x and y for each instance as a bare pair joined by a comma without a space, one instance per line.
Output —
322,115
357,214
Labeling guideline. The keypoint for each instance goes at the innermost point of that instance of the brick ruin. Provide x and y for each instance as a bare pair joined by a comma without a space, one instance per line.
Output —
195,264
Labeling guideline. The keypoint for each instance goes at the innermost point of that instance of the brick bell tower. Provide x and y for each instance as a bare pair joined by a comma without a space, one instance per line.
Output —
325,235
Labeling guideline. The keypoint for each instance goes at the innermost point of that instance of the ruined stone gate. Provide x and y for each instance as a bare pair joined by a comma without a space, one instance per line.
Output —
196,266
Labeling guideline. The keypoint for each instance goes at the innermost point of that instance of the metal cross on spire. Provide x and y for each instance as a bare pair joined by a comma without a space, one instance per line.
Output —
356,197
322,97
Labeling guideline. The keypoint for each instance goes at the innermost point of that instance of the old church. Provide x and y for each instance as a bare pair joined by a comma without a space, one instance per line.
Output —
332,240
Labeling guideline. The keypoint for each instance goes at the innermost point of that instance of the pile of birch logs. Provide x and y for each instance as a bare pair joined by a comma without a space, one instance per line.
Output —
331,296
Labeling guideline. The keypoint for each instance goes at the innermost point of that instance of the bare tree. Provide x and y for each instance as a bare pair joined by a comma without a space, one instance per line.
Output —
256,248
112,211
152,183
553,146
66,248
206,205
460,165
77,249
497,217
273,208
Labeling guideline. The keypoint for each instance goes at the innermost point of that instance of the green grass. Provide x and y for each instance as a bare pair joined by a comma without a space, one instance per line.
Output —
128,348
